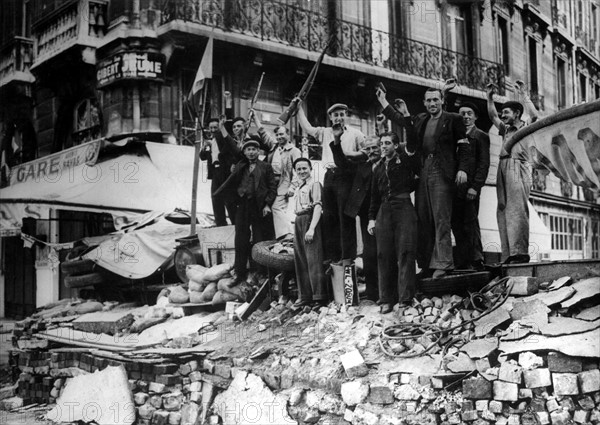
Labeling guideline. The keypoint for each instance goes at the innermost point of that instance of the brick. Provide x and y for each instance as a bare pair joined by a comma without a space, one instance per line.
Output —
354,364
380,394
495,406
586,402
168,380
481,405
589,381
552,404
537,378
506,391
172,402
469,415
581,416
165,369
354,392
510,372
488,416
525,393
156,387
558,362
514,420
160,417
544,418
477,388
565,384
560,417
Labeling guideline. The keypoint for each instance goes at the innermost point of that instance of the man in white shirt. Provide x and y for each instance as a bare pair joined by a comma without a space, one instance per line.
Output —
340,229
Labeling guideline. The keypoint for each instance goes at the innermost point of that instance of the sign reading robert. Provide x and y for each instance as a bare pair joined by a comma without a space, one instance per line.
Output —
130,66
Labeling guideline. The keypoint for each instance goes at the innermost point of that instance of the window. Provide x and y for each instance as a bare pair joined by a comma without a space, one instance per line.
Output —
595,238
503,44
567,233
87,121
582,88
561,80
459,36
597,91
533,66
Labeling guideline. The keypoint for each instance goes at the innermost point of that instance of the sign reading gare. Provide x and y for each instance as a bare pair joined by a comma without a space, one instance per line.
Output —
130,66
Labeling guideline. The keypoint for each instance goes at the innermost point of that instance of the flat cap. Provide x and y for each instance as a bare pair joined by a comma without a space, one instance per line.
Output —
471,106
337,106
250,142
515,106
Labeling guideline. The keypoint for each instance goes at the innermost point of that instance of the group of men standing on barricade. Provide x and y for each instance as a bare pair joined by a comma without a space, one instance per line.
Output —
441,155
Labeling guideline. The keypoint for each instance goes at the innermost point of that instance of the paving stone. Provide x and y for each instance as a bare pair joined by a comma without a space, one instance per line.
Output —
560,417
354,392
558,362
525,393
140,398
406,392
586,402
589,381
174,418
543,417
566,403
380,394
363,416
332,404
506,391
581,416
469,415
160,417
477,388
514,420
537,378
552,404
488,416
510,372
156,387
354,364
565,383
481,405
495,406
528,360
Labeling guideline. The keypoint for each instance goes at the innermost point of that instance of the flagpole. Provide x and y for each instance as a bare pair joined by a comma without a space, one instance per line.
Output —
197,149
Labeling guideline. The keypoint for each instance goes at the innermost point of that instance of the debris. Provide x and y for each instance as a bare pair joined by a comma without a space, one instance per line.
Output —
586,288
590,314
463,363
521,309
552,297
585,344
246,390
354,364
480,348
354,392
523,285
103,397
488,323
107,322
559,283
528,360
566,326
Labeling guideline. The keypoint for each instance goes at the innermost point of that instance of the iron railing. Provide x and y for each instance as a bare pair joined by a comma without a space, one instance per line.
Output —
288,24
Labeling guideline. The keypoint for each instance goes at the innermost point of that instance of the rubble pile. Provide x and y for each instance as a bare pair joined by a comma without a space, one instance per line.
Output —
517,352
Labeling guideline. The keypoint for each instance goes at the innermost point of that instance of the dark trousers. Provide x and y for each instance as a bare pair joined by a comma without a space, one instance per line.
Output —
340,230
249,216
369,257
308,258
396,232
434,208
220,203
465,226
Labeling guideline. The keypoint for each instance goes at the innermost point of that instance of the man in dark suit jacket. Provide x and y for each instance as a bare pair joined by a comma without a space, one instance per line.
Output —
444,149
254,187
219,168
358,203
465,211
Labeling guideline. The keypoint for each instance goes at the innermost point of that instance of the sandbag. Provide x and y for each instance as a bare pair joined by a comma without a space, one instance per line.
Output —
221,297
196,297
217,272
209,292
225,284
196,286
178,295
195,272
89,307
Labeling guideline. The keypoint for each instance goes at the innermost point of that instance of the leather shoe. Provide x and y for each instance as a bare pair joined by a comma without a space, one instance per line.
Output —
301,304
424,274
439,274
386,308
517,259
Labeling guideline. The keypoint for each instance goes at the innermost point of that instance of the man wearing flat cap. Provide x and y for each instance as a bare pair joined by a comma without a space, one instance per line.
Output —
340,237
465,211
253,185
513,182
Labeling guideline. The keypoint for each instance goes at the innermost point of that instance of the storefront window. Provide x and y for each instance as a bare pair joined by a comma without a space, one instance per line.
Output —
87,123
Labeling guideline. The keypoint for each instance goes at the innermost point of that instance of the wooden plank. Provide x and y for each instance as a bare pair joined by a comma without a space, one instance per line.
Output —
257,300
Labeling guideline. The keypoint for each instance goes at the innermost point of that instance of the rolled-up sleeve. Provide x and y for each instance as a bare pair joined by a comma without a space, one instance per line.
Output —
315,194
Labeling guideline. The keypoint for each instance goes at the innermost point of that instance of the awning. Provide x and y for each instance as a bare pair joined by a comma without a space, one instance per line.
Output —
540,238
157,177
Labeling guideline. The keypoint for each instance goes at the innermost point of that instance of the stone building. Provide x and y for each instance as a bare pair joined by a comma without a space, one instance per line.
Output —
74,71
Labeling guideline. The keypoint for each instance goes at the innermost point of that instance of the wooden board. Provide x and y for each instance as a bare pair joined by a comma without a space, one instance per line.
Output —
456,282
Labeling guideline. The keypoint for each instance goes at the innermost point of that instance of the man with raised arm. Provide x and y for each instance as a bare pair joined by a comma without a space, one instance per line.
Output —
513,181
444,148
340,234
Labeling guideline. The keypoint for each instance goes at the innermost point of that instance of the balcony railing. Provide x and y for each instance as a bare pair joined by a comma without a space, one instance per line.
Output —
586,39
16,58
293,26
560,18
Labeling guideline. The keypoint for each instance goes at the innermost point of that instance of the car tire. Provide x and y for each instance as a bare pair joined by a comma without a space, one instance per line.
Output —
83,280
77,267
265,257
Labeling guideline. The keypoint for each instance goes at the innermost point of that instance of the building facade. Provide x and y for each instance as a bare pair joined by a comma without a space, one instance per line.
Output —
73,71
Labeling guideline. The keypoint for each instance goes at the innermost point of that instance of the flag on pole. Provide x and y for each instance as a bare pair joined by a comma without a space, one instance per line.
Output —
196,96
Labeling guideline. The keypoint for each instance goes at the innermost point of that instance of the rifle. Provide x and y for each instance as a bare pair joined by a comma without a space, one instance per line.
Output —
293,106
254,99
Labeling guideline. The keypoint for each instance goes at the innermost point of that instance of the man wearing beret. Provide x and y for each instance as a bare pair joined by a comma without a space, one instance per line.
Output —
513,182
340,234
254,188
465,211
